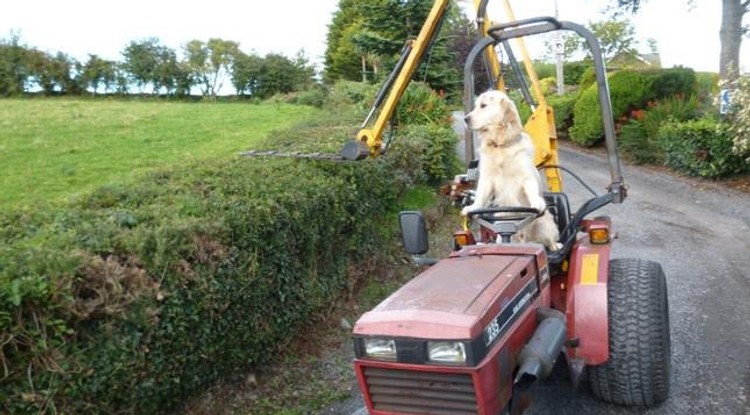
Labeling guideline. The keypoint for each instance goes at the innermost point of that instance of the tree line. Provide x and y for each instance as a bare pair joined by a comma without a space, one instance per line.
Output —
148,66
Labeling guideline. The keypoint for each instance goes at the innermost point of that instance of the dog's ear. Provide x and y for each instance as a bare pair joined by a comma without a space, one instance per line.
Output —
510,114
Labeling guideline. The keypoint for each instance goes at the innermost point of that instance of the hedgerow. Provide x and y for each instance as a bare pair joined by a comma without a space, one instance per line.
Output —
701,147
131,298
629,89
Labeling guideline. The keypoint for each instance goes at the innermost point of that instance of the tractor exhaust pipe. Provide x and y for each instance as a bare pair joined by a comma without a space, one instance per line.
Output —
540,353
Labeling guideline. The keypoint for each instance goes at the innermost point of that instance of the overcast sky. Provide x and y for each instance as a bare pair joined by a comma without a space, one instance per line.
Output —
78,27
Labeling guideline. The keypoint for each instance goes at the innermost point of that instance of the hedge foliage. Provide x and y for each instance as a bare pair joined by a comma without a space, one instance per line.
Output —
629,89
701,147
134,297
563,108
638,137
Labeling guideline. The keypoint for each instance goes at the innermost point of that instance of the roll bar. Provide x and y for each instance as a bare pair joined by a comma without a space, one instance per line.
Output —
526,27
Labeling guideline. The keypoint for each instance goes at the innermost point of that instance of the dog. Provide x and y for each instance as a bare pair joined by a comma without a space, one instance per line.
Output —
507,174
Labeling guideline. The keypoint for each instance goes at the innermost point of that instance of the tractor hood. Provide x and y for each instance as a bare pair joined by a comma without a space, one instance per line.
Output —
456,297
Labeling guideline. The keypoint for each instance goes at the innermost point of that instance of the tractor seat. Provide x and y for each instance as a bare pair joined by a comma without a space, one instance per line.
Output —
558,206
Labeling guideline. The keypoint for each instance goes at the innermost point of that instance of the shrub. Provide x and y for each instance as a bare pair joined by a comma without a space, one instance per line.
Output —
545,70
548,85
628,89
707,85
348,93
637,138
588,78
421,105
563,107
524,110
573,72
134,297
314,97
672,81
739,117
435,148
700,147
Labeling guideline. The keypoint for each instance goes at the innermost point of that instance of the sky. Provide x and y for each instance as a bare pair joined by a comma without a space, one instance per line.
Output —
685,36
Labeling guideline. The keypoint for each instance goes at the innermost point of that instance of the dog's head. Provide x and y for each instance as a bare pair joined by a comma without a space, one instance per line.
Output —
493,110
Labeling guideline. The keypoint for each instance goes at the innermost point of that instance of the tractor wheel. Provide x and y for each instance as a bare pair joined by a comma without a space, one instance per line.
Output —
637,372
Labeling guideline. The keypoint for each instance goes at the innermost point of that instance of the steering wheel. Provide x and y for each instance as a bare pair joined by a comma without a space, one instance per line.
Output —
511,213
510,220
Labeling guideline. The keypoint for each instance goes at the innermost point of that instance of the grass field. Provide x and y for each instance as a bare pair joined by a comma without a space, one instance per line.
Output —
55,148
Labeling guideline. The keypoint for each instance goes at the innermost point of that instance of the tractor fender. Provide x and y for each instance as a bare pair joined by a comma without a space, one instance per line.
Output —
586,312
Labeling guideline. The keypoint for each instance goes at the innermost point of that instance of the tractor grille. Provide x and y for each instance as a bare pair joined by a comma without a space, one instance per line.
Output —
421,392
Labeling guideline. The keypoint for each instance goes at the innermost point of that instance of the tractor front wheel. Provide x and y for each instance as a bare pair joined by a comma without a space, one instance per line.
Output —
637,372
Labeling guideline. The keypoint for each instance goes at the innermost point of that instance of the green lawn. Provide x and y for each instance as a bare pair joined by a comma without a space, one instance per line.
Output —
57,147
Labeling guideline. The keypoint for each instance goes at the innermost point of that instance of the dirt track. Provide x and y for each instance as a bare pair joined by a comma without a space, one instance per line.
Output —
700,233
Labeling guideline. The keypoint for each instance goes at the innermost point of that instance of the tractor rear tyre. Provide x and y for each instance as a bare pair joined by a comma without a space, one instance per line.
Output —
637,372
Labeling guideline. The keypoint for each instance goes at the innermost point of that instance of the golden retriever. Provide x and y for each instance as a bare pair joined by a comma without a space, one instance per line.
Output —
507,175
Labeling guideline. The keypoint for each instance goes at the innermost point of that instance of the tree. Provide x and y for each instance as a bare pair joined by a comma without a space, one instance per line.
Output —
341,57
53,73
730,34
615,37
141,60
97,71
166,70
210,62
13,66
373,32
246,73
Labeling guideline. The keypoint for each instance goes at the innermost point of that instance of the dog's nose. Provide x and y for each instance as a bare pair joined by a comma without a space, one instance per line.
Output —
467,119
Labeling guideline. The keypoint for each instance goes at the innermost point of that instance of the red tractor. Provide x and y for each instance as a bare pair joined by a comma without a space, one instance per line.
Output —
474,331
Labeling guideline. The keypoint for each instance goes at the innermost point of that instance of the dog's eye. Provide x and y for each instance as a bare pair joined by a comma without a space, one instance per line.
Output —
482,105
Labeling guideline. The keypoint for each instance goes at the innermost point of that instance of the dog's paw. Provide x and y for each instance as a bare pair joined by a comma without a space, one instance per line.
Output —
465,211
555,246
539,205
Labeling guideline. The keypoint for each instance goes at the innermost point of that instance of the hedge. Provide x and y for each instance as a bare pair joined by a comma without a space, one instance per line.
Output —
132,298
563,108
701,147
629,89
135,297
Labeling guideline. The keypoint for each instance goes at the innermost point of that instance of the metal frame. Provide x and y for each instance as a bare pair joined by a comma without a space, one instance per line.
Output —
527,27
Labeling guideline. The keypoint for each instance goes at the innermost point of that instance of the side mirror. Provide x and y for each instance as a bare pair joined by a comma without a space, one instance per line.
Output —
413,232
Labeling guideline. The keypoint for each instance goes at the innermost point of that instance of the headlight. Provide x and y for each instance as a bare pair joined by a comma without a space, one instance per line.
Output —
447,352
381,349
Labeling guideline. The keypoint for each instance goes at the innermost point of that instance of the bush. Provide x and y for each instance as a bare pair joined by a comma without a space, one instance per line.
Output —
132,298
588,78
573,72
628,89
314,97
433,146
524,110
563,108
545,70
637,138
348,93
548,85
707,85
421,105
700,147
671,82
739,116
